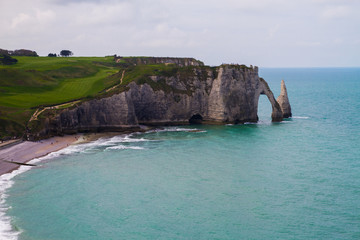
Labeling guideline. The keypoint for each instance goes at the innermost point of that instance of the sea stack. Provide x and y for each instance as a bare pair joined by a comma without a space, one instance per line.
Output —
283,101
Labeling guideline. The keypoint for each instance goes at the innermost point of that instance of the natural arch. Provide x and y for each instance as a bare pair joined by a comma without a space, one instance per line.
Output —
276,114
264,108
196,119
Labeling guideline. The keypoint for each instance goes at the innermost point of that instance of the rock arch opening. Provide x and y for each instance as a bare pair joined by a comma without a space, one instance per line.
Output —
264,110
196,119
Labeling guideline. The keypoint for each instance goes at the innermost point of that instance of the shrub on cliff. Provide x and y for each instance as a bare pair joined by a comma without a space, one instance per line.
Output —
7,60
66,53
18,52
4,52
24,52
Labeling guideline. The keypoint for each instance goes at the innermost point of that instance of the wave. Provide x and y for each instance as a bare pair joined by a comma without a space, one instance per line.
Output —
6,181
110,143
125,147
176,129
6,230
250,123
101,142
260,122
299,117
126,138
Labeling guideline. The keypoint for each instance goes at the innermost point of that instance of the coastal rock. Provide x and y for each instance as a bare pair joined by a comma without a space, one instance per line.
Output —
226,94
283,101
116,112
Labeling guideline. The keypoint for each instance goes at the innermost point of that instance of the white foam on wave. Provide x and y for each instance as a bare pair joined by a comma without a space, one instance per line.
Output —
250,123
6,230
101,142
126,138
300,117
121,147
6,181
177,129
260,122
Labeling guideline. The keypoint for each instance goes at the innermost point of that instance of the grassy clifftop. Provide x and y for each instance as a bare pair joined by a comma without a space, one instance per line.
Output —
41,81
34,85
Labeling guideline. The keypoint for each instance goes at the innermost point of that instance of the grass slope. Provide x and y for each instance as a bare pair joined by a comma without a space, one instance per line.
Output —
35,82
38,81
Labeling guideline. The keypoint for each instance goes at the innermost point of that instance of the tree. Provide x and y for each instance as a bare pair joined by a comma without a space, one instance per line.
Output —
52,55
66,53
24,52
7,60
4,52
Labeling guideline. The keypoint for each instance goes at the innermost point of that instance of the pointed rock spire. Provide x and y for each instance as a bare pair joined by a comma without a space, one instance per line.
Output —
283,101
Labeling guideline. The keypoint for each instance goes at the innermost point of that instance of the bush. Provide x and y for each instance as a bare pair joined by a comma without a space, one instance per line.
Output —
66,53
7,60
19,52
24,52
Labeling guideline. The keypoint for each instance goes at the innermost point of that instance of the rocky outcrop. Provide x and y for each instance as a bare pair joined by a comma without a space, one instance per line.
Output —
226,94
283,101
235,94
116,112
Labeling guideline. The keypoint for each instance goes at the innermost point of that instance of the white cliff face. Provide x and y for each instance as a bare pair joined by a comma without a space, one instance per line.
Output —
283,101
228,94
216,105
235,94
107,113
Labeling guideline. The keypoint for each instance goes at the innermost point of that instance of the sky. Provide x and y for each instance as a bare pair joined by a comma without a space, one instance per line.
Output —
265,33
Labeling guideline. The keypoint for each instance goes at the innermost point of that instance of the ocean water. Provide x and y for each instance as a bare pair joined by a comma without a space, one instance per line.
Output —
298,179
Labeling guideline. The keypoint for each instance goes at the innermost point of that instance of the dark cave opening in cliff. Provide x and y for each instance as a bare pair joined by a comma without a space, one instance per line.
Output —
264,109
196,119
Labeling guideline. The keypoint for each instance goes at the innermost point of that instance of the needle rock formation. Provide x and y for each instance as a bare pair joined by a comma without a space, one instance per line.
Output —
283,101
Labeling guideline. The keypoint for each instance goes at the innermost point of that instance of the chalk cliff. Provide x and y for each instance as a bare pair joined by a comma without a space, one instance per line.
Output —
225,94
283,101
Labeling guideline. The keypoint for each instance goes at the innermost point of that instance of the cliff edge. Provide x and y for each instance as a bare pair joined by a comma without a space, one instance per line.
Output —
191,94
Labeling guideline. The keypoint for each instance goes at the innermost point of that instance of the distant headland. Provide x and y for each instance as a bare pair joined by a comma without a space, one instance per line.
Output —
49,96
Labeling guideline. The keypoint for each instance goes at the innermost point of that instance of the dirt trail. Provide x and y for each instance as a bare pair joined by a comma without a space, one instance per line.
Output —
38,111
121,79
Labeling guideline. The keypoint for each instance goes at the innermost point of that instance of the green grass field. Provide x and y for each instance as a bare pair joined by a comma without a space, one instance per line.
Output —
41,81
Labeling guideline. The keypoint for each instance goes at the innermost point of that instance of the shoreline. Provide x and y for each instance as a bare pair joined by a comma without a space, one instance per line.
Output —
12,156
19,153
25,151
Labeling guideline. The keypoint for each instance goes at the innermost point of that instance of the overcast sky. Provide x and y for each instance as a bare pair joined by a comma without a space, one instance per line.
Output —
266,33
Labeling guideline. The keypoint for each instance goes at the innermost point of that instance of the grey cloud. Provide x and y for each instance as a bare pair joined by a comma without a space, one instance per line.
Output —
67,2
265,33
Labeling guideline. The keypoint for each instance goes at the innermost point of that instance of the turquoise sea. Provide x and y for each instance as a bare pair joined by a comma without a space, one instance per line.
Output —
298,179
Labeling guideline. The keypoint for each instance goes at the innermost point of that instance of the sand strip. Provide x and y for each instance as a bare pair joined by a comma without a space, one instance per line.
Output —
26,151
